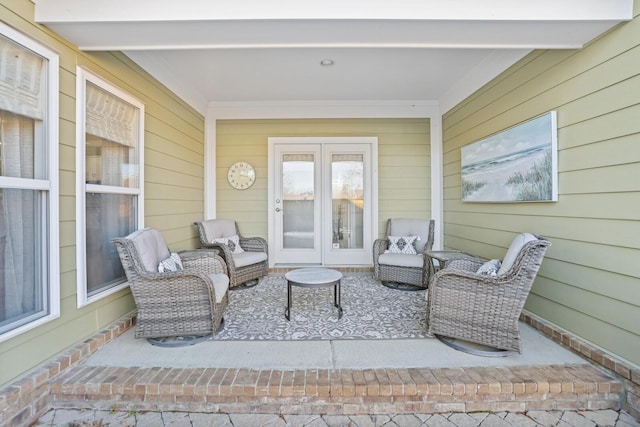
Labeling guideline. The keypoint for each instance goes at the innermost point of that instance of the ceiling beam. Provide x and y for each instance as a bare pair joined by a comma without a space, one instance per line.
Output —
430,10
224,24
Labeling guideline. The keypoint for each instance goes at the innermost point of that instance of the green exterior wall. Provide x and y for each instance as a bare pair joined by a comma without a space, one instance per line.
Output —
404,164
174,187
589,281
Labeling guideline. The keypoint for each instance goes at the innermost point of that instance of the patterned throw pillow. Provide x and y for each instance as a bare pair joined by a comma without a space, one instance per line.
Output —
402,245
233,242
490,268
173,263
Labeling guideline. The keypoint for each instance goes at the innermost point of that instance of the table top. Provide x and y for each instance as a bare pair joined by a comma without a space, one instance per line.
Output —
313,275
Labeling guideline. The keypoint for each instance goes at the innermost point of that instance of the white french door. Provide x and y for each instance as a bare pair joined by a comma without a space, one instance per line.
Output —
322,195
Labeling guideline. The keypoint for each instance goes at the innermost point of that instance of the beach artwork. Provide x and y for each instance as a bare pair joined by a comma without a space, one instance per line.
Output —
518,164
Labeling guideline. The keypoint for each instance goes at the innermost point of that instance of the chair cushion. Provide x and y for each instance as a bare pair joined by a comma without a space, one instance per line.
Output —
401,260
514,249
411,227
489,268
233,242
173,263
150,246
220,285
248,258
402,245
215,228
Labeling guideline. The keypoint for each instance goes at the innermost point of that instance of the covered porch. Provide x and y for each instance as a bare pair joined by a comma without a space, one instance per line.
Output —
426,86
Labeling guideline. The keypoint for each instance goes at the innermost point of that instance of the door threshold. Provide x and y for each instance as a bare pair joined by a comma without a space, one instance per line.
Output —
283,268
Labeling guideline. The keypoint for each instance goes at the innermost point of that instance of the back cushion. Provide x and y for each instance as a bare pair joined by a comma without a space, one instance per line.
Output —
411,227
216,228
151,247
514,249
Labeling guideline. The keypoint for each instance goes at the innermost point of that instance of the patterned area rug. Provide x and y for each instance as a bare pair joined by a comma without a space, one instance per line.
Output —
371,311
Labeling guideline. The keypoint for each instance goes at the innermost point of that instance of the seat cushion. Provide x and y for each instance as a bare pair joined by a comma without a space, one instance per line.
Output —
248,258
151,247
402,260
514,249
220,285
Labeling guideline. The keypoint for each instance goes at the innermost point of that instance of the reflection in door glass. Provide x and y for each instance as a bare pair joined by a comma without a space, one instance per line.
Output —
298,199
347,198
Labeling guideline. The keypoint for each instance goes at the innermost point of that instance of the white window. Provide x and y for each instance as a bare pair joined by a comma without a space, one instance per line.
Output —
109,170
29,246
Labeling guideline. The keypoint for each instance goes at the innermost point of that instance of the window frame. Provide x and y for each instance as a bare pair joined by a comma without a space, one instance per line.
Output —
48,188
84,76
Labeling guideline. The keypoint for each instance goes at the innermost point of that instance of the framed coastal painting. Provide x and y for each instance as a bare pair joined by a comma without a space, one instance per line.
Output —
519,164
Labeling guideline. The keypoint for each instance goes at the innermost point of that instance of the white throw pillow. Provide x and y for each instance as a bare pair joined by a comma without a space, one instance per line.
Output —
233,242
402,245
173,263
489,268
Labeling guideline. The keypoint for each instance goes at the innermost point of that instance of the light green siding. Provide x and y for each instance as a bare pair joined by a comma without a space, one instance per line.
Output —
404,164
589,282
174,186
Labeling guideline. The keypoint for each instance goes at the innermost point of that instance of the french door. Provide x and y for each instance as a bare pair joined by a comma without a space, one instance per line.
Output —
322,196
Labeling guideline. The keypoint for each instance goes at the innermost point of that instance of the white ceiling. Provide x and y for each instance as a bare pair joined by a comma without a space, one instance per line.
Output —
269,51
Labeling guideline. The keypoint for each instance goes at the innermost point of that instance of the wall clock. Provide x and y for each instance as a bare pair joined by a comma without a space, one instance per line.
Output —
241,175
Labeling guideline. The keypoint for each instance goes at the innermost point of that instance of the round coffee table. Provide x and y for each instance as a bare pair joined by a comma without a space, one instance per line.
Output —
314,278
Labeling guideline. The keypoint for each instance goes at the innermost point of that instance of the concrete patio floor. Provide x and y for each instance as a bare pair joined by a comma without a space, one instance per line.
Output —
126,351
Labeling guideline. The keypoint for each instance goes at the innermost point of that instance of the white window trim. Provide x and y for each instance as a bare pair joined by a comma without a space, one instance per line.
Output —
51,186
83,76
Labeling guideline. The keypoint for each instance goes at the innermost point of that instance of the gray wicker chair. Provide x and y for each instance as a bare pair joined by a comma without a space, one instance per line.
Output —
484,309
399,270
188,302
244,268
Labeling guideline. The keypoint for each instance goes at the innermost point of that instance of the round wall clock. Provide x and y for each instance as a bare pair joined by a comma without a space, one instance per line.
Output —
241,175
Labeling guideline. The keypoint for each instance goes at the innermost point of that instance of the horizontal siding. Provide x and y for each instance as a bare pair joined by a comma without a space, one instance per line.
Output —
174,154
404,164
589,280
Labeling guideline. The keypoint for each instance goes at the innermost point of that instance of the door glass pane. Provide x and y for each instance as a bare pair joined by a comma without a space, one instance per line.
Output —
347,199
298,199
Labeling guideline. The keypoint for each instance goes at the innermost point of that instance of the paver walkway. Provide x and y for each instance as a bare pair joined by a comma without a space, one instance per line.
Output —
95,418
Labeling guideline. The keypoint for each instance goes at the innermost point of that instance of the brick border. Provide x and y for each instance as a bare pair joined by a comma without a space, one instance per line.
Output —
339,391
626,371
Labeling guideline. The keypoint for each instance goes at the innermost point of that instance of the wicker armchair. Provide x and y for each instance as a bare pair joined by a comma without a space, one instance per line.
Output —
484,309
244,268
187,302
393,268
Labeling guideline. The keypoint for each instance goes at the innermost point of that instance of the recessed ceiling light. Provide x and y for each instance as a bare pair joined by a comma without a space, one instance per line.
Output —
326,62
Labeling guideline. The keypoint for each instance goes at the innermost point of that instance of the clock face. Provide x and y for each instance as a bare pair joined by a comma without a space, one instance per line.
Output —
241,175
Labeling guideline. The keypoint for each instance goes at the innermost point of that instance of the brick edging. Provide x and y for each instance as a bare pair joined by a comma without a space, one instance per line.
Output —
624,370
339,391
